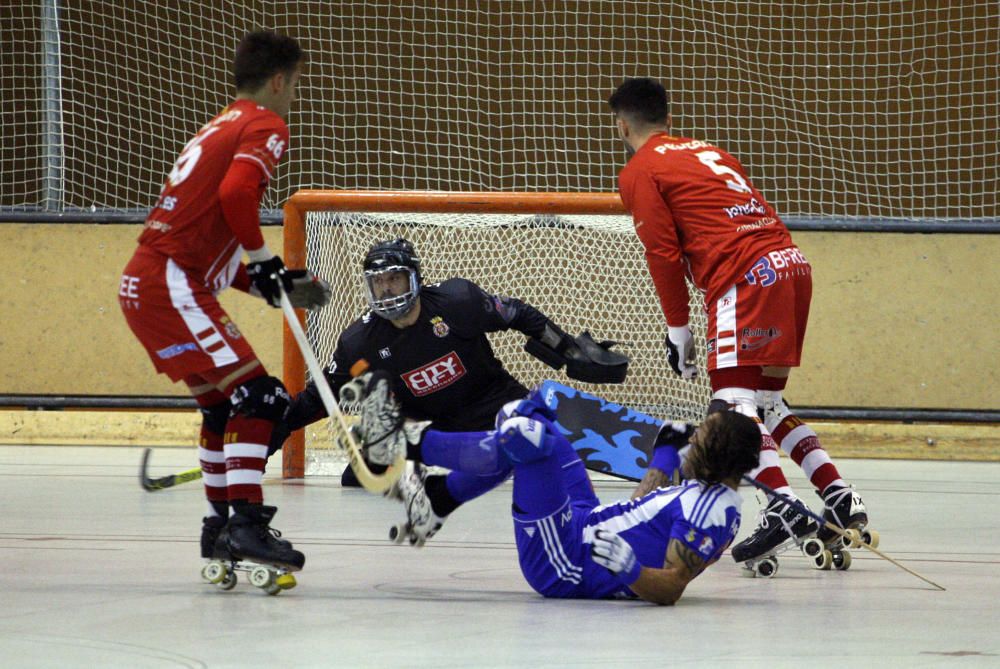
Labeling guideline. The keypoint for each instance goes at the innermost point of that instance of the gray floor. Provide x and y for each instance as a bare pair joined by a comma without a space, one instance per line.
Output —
97,572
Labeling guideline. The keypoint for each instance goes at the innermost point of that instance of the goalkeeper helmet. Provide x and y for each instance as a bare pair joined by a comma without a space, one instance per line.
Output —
382,261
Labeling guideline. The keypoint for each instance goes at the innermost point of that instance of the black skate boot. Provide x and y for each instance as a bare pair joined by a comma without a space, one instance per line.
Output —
780,527
248,536
844,509
211,547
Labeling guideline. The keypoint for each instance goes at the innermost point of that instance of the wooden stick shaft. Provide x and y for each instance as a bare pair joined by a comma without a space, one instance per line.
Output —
370,481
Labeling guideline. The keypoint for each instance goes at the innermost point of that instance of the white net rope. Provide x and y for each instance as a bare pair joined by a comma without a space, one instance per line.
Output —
837,108
584,272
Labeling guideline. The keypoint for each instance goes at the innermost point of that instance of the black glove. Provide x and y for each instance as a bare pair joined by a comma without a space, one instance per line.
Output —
680,351
279,433
265,277
674,433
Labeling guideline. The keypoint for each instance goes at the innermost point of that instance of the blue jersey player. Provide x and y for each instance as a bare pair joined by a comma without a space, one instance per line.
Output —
569,544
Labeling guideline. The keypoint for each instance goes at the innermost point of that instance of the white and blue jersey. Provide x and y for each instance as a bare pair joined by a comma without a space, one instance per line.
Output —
554,550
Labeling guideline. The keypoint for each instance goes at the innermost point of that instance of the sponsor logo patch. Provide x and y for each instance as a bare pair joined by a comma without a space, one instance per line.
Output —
439,327
231,329
754,338
706,546
435,375
384,353
175,350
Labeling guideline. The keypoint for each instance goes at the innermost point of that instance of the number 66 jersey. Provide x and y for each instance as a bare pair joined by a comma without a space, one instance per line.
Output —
192,245
189,223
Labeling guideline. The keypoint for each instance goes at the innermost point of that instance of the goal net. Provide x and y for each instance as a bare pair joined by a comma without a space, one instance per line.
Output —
837,108
573,256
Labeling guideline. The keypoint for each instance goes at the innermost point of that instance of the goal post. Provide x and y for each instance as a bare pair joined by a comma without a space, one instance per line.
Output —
574,256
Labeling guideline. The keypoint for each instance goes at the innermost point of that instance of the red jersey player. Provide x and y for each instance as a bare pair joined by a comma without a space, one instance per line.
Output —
190,250
698,216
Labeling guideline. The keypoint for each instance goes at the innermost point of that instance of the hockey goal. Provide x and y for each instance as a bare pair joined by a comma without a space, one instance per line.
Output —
575,256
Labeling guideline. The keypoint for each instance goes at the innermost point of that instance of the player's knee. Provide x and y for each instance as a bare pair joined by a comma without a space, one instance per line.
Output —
262,397
529,407
772,408
523,440
213,418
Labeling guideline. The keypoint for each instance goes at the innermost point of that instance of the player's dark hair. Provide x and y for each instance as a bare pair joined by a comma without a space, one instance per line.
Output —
729,448
644,100
260,55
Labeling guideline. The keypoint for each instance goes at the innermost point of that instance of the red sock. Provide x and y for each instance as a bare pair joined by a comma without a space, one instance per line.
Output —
246,455
800,442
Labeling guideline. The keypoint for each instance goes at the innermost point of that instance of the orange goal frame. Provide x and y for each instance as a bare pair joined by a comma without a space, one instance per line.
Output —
304,201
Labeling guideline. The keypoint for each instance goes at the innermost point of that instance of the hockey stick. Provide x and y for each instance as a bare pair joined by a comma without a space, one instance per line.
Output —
151,485
337,422
849,541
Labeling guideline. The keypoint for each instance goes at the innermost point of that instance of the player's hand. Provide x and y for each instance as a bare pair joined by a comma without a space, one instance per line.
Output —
674,433
266,276
616,555
279,433
680,351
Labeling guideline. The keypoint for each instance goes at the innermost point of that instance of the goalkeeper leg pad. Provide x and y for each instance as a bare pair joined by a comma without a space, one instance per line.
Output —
381,426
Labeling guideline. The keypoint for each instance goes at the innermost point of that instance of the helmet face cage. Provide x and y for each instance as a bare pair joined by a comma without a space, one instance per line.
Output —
386,257
395,306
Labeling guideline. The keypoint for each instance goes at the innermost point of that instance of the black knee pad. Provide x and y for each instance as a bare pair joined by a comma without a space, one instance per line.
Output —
715,406
263,397
214,418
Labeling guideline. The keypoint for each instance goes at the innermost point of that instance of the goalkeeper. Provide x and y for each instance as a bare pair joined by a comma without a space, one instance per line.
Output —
432,342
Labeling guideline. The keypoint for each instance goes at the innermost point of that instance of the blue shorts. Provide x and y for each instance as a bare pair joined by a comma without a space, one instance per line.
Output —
552,500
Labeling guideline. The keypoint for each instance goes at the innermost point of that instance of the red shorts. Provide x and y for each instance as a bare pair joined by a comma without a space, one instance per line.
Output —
761,320
178,320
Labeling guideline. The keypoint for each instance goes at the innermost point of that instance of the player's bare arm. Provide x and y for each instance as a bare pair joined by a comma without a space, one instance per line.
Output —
653,479
665,586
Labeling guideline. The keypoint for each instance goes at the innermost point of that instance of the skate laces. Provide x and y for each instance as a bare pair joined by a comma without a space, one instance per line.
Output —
777,509
835,499
268,533
384,410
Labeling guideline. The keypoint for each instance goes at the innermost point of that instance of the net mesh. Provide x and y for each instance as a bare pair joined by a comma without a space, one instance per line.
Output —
584,272
837,108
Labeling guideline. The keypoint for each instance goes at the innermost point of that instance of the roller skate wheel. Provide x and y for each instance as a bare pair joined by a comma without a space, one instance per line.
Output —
261,577
747,572
842,561
870,537
213,572
272,589
229,582
823,561
813,548
767,568
398,533
852,539
286,581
